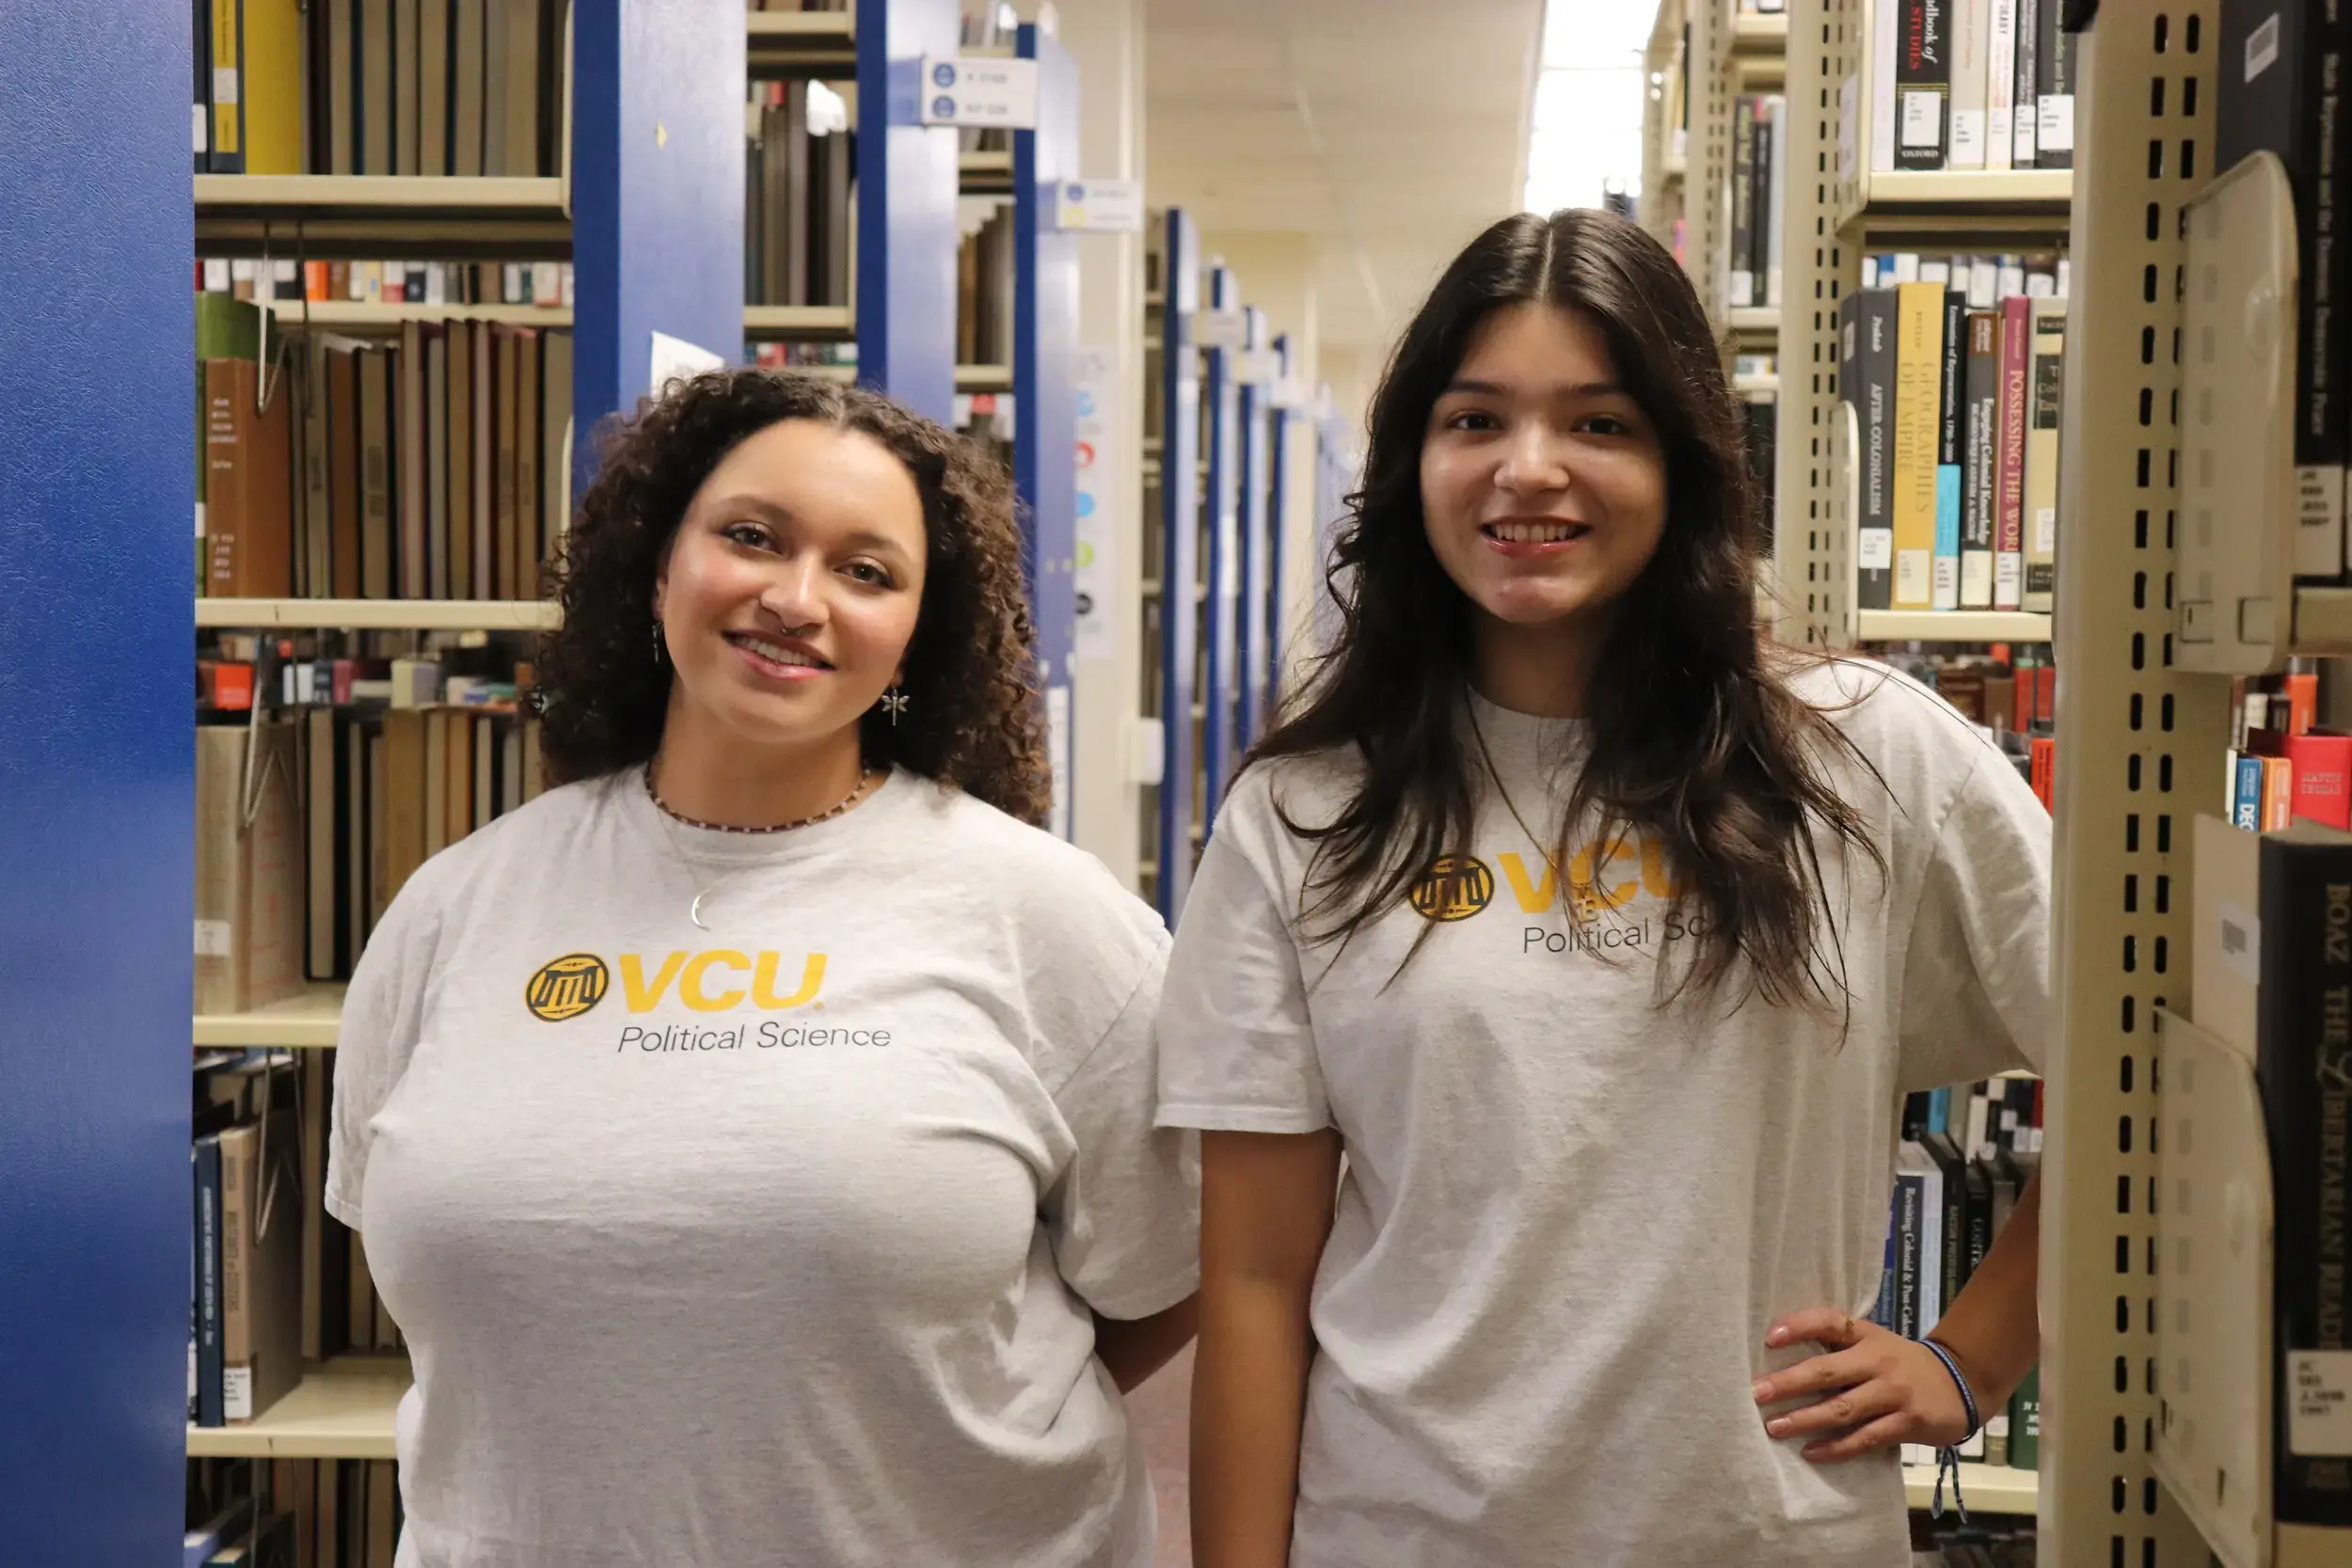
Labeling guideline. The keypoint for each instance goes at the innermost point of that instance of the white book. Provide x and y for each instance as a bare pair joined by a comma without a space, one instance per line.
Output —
2000,94
1906,266
1972,48
1936,271
1984,283
1886,25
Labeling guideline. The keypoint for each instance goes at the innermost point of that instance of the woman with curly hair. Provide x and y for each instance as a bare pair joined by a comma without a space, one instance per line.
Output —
753,1134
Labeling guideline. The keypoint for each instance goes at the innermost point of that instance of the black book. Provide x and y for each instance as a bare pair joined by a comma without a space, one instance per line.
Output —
1952,1267
1923,83
2303,1071
1760,204
1869,347
2279,92
1743,202
211,1385
2054,88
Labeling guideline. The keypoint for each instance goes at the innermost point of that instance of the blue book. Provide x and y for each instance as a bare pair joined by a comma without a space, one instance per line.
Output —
2246,796
1946,566
1940,1110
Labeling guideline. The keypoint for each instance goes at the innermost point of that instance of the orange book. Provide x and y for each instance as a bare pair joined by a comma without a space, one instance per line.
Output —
2278,793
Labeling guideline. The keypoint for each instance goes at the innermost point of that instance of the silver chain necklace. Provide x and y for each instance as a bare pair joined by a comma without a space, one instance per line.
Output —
868,780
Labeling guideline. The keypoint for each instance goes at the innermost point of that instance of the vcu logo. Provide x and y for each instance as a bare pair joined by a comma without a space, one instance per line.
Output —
1454,888
568,988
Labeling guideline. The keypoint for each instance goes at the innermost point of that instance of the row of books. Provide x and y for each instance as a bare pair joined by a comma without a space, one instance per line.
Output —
2270,968
799,183
1956,426
2282,766
2281,90
291,1513
1985,279
543,283
1963,1162
2007,687
1759,156
429,467
986,272
378,87
308,824
1976,85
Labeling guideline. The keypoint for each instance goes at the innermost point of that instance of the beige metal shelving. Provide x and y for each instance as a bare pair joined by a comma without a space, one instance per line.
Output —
304,1023
379,614
345,1409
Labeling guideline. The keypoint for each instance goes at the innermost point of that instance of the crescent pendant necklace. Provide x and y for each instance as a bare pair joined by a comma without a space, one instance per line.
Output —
867,780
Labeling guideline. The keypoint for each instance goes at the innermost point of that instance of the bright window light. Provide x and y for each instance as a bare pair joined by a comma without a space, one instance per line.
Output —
1586,130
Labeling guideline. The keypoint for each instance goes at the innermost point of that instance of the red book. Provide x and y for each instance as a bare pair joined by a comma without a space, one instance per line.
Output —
2322,786
2044,776
2009,464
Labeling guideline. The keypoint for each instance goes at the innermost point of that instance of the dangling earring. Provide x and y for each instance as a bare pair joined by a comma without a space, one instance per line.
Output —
659,647
893,703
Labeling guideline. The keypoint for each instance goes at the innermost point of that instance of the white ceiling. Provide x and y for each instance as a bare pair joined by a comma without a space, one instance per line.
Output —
1391,131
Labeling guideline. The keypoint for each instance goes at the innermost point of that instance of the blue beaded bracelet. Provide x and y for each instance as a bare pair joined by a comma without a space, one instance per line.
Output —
1948,1457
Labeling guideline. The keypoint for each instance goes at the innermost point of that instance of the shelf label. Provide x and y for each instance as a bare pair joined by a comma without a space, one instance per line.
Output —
1099,206
1220,329
2320,1403
980,90
213,940
1259,367
1875,551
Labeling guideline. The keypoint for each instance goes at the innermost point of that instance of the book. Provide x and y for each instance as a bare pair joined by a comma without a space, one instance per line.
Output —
2047,388
1951,439
1971,48
2009,519
250,898
2303,1071
1918,371
2054,88
1923,83
2319,764
210,1392
1866,380
1979,475
2279,90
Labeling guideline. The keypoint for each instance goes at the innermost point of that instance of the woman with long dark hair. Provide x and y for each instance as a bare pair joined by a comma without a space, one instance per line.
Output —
1601,939
753,1134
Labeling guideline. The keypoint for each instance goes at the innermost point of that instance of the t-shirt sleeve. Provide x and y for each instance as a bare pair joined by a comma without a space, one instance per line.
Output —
1237,1052
1125,1219
1975,981
383,1012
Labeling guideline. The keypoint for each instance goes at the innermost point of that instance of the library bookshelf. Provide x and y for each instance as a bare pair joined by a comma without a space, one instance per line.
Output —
305,1021
343,1409
2142,742
376,614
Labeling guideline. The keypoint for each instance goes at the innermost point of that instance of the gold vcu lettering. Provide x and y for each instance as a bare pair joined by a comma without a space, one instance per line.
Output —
1607,876
717,981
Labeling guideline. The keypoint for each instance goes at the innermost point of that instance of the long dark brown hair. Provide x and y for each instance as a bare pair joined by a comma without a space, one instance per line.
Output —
1696,741
974,723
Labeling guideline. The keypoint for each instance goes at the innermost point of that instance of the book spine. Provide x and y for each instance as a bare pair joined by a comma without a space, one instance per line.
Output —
237,1211
1924,80
2000,85
2278,797
1776,195
1978,470
2023,137
1951,438
2303,1070
1742,280
2009,533
1972,23
1883,1313
1918,372
1874,389
2054,87
1887,34
2024,1423
208,1343
2048,318
2245,803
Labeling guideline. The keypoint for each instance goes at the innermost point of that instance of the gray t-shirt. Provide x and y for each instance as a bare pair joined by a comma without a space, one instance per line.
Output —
773,1243
1569,1217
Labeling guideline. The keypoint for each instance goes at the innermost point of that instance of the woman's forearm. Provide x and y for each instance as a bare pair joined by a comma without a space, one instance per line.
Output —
1248,1399
1993,1326
1134,1348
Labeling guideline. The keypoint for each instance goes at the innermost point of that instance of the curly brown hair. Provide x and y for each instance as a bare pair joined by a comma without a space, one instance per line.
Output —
602,696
